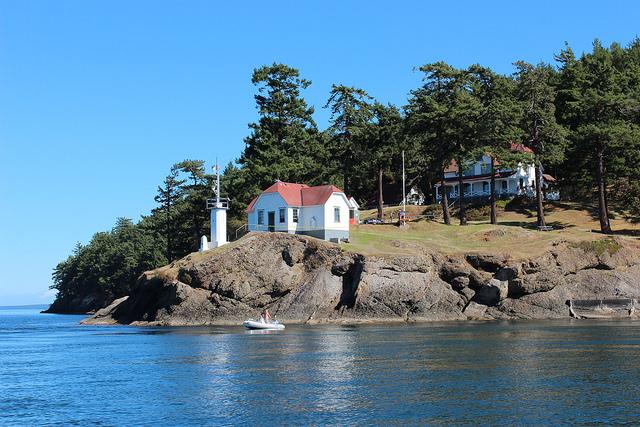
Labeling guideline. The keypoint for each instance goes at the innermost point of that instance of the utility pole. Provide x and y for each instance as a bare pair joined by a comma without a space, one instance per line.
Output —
404,196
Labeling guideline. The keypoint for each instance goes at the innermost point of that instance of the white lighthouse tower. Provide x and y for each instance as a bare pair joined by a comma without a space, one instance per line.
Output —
218,207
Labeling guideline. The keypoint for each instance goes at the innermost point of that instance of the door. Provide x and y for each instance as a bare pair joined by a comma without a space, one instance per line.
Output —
272,221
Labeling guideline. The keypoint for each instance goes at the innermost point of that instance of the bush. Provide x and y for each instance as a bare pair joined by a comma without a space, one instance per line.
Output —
184,277
435,208
478,213
599,247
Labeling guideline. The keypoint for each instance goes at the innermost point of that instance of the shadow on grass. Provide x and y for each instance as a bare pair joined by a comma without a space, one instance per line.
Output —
557,225
624,232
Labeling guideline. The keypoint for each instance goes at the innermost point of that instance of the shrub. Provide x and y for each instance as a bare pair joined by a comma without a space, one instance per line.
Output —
478,213
599,247
184,277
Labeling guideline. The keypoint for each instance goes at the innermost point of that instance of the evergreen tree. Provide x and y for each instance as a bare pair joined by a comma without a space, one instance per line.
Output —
169,196
283,143
383,144
350,115
543,134
107,267
599,103
498,122
428,121
194,218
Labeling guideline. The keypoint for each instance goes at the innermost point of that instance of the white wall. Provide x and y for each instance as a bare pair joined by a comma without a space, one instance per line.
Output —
310,214
218,227
268,202
337,200
310,218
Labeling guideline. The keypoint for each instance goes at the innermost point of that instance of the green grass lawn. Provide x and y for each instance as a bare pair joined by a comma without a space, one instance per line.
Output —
514,235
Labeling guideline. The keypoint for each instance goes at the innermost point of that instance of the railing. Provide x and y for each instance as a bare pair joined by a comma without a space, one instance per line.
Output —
244,228
222,203
482,193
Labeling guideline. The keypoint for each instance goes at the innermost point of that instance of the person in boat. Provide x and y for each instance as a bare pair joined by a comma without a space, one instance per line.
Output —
265,316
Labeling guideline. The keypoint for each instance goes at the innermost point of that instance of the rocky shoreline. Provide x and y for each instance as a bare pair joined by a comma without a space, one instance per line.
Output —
305,280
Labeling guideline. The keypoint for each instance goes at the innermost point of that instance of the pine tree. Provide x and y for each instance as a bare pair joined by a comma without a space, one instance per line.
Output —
543,134
599,103
350,115
194,218
169,195
283,143
498,121
383,145
428,121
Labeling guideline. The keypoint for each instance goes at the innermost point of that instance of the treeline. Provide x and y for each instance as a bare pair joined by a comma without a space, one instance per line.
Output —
107,267
580,117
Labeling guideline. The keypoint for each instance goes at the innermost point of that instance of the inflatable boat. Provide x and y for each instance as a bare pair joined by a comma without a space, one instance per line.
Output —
261,324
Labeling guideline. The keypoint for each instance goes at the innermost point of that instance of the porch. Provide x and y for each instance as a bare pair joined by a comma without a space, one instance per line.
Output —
504,188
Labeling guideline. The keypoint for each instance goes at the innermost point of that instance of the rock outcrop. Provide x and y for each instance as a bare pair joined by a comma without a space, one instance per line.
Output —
301,279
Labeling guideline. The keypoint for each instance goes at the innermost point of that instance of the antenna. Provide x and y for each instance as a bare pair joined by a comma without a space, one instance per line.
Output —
217,183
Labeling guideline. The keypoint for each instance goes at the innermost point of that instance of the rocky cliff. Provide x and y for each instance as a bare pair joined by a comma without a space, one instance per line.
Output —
302,279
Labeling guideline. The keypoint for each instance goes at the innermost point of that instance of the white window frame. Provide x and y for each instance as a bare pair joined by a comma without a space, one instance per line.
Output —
295,214
261,217
282,215
336,214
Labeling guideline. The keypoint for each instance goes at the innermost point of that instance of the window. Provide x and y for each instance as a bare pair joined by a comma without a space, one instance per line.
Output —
485,167
295,214
260,217
352,214
485,187
504,185
282,214
336,214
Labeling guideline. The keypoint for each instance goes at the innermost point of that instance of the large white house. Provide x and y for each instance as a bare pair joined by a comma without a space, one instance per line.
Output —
322,211
510,182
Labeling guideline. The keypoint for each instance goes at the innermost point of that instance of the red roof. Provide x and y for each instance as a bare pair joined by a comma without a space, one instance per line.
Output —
520,148
299,194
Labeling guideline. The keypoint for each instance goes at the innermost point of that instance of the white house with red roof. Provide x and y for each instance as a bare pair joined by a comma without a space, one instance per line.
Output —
322,211
510,181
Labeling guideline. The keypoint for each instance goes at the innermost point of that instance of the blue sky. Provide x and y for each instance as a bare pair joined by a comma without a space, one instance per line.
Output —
99,98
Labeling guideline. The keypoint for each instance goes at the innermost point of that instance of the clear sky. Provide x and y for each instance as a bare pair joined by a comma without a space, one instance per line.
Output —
99,98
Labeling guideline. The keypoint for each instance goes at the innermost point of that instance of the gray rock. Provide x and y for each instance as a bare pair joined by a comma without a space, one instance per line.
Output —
492,293
475,311
486,262
301,279
510,272
459,283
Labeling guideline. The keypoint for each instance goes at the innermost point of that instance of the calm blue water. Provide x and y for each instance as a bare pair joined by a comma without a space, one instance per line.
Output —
56,372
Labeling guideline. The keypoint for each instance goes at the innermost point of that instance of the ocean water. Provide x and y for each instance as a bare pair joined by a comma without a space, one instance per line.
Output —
55,372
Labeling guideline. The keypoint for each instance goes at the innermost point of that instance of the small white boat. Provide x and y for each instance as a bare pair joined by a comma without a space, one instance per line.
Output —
261,324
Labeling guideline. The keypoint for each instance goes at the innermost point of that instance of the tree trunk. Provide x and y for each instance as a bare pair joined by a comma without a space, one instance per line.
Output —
380,198
169,233
445,201
461,211
603,214
539,206
345,178
431,194
494,215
